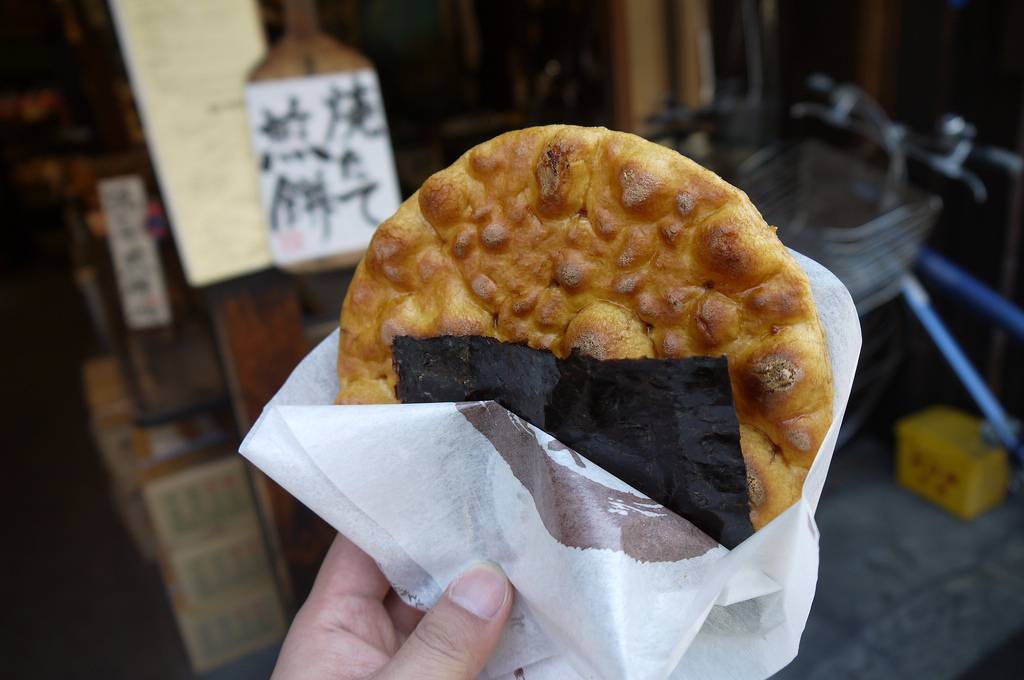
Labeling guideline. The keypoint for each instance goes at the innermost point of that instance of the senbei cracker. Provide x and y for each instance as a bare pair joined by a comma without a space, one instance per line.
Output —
565,238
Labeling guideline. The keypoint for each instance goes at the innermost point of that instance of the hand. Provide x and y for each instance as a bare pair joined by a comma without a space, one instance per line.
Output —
354,627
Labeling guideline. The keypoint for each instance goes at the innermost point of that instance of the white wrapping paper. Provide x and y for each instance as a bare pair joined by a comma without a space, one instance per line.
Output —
609,584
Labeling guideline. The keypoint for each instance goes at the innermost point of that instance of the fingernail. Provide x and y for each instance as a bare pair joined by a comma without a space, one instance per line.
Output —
481,590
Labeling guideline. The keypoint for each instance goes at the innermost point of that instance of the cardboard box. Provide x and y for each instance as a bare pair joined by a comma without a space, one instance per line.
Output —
220,568
185,498
214,561
941,455
225,601
106,392
178,437
110,415
231,629
199,502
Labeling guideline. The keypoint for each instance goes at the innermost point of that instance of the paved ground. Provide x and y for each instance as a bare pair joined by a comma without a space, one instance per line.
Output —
906,590
78,600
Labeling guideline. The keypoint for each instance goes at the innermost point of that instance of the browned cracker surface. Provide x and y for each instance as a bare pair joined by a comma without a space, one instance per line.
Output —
566,237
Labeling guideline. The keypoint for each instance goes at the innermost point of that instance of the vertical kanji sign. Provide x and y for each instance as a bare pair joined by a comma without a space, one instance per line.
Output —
327,173
140,278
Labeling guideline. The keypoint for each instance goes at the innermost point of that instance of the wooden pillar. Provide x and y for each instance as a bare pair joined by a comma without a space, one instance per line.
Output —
640,69
878,47
257,322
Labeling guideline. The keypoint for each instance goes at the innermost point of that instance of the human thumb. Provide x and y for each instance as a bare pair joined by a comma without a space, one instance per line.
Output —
455,639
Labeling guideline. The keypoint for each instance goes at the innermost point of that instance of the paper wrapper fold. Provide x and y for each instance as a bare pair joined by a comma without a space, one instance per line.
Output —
609,584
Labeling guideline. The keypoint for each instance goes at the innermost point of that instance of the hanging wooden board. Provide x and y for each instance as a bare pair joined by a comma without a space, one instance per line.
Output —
320,138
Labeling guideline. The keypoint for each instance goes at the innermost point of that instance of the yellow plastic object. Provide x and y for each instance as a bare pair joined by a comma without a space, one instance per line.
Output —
941,455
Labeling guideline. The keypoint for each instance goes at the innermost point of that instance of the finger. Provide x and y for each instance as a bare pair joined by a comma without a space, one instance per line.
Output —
456,637
402,615
348,572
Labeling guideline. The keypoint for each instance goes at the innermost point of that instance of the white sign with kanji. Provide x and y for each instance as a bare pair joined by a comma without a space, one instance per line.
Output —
327,172
140,277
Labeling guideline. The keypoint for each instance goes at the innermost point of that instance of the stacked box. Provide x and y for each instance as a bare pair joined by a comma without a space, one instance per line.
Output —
215,561
217,635
111,415
200,502
186,499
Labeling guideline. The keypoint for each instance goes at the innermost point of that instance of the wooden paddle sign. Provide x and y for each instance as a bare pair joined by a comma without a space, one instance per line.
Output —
320,137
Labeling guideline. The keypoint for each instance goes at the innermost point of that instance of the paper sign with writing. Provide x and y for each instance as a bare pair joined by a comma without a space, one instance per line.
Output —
327,173
140,278
188,60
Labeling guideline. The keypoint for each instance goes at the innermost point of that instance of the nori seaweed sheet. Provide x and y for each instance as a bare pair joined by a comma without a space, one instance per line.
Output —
471,368
664,426
667,427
